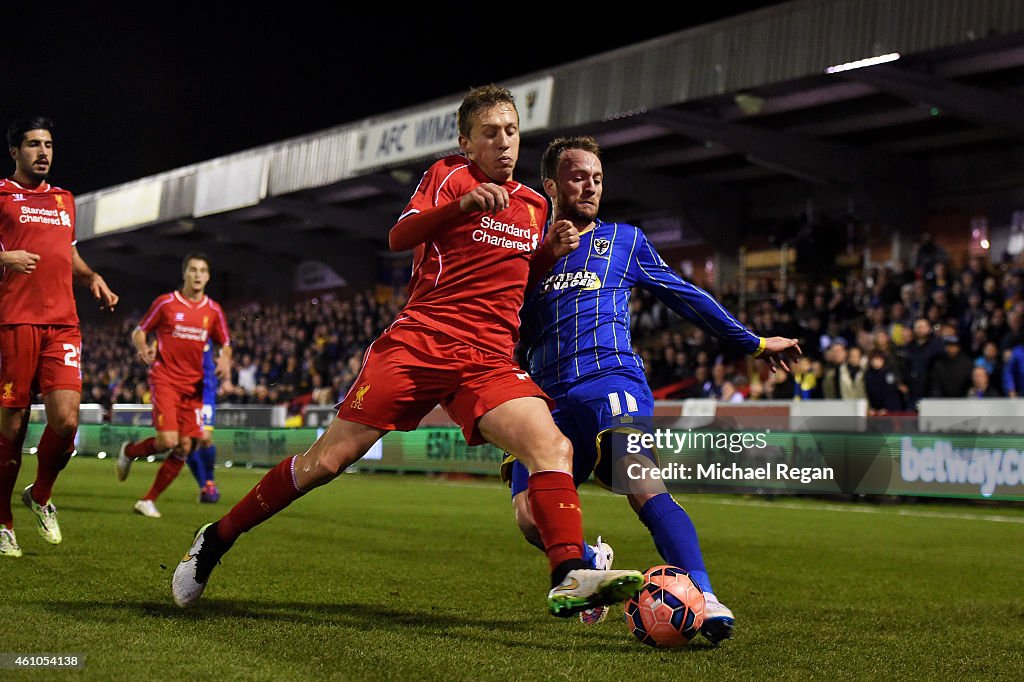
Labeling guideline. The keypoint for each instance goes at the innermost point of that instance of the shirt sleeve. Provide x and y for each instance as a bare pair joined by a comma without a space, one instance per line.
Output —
219,332
431,206
151,320
689,301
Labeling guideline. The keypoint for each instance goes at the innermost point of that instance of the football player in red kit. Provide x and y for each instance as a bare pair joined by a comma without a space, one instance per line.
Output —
477,234
182,321
40,343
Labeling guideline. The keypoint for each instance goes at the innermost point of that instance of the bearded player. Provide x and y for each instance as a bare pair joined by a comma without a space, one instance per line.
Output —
576,332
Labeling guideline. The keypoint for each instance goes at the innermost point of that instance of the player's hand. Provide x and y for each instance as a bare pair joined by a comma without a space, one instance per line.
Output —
223,368
780,353
562,239
487,197
147,354
21,261
102,293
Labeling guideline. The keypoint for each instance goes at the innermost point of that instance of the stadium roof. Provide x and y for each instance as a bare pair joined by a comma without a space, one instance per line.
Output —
706,133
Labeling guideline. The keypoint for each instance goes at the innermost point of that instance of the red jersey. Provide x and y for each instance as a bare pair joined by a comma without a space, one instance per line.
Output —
41,221
468,281
182,328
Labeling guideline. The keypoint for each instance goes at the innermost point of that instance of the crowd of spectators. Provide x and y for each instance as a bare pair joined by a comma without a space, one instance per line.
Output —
892,335
308,352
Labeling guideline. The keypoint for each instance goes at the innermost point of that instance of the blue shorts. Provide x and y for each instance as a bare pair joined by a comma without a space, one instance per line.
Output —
208,412
617,399
209,403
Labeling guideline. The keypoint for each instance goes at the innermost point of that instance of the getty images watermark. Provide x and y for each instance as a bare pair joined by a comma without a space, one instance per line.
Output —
669,441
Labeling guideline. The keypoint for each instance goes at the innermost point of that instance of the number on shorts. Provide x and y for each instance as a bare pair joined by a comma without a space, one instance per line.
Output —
616,403
71,357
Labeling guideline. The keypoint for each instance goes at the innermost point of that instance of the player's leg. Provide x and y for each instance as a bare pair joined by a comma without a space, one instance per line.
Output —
52,454
13,427
206,453
165,475
19,359
186,413
583,457
675,538
523,426
399,383
197,461
59,378
196,466
342,444
165,423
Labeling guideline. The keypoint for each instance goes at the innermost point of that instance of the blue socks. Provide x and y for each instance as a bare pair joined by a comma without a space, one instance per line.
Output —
201,462
195,465
588,554
209,457
675,537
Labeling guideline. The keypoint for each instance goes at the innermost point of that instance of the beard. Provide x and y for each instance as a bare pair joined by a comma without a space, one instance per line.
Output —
581,214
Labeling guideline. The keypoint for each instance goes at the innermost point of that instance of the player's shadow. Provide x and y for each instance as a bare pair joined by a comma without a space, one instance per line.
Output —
503,632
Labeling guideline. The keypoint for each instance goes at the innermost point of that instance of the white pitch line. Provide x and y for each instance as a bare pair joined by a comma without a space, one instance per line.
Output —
788,505
869,510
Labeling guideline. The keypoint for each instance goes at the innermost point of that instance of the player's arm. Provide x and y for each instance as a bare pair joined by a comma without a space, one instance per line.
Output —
223,368
561,239
90,278
19,261
417,227
702,309
146,352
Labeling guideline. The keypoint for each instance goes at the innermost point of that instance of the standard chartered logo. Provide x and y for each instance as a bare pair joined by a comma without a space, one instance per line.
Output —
505,235
943,463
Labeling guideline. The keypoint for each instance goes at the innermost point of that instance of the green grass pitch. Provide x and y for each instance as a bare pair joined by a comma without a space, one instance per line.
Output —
407,578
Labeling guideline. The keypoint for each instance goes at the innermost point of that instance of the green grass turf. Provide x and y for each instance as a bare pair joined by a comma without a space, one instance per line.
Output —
406,578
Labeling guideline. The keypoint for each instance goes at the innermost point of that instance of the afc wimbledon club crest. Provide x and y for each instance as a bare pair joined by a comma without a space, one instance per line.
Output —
601,246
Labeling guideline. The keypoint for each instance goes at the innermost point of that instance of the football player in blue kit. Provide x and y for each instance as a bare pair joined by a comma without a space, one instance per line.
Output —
204,456
577,340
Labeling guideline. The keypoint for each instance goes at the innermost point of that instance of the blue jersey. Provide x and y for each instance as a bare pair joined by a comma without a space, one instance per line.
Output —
576,321
210,382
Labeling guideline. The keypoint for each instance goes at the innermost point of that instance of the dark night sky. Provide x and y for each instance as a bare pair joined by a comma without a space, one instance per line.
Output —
135,95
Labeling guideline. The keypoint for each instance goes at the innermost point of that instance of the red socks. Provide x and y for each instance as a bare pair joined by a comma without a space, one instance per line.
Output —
169,471
556,511
53,453
274,492
143,448
10,463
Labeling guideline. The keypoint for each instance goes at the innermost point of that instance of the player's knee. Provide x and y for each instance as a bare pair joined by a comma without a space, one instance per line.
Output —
13,423
166,440
64,424
554,454
183,448
637,500
332,461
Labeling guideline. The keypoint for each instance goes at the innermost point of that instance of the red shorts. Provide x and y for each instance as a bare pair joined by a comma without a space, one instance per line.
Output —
177,409
411,368
38,358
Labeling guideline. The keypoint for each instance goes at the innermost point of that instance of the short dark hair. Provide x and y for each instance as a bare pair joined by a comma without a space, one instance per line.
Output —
16,131
195,255
479,99
549,162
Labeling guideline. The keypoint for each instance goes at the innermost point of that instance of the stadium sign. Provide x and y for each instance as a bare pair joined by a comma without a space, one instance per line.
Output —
433,131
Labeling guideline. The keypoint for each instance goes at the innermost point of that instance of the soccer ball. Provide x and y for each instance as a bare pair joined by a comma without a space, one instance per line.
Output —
668,610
